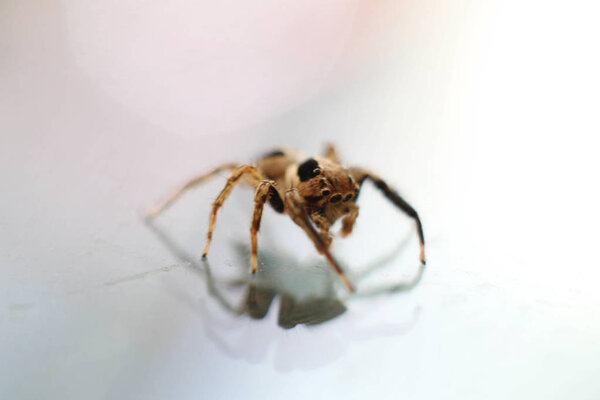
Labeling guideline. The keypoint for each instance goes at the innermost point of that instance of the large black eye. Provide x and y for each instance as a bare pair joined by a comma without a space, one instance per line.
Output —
308,169
325,192
348,197
335,198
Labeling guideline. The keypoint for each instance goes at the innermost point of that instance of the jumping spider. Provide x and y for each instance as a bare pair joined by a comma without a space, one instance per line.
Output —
314,192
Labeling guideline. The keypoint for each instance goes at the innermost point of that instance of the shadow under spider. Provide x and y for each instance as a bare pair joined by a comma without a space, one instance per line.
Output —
307,294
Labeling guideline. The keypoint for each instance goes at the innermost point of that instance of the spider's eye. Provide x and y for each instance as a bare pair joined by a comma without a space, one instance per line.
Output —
348,197
336,198
325,192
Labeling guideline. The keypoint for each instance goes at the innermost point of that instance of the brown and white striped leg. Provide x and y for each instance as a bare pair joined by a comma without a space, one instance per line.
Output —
233,179
360,175
266,190
295,208
191,183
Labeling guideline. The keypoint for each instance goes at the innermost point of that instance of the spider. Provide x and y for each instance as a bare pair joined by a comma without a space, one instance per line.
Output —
315,192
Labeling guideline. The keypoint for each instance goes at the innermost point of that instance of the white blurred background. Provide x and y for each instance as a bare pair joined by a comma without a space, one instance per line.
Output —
483,114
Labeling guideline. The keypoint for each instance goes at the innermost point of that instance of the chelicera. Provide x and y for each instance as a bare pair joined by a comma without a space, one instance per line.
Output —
315,192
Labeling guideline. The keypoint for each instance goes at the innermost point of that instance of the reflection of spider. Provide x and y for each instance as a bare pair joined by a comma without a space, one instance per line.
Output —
305,296
316,190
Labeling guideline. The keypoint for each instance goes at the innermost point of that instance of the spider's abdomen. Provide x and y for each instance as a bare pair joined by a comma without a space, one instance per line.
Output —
274,164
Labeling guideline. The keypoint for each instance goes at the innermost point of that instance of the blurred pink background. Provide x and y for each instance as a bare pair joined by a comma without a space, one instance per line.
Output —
482,114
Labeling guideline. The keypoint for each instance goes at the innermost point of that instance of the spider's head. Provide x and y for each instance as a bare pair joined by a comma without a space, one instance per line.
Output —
328,188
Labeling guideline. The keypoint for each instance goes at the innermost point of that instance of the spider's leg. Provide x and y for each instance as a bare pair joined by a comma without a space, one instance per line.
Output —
234,178
295,208
360,175
191,183
265,190
331,153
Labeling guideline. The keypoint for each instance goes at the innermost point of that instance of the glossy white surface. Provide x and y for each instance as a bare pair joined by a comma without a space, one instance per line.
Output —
482,115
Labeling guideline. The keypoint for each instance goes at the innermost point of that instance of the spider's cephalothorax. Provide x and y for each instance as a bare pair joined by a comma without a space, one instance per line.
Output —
328,189
315,192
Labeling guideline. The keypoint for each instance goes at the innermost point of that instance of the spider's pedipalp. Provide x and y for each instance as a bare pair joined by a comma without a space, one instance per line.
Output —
349,219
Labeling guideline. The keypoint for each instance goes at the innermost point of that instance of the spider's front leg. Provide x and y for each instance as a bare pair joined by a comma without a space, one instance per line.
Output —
233,179
265,190
360,175
294,206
